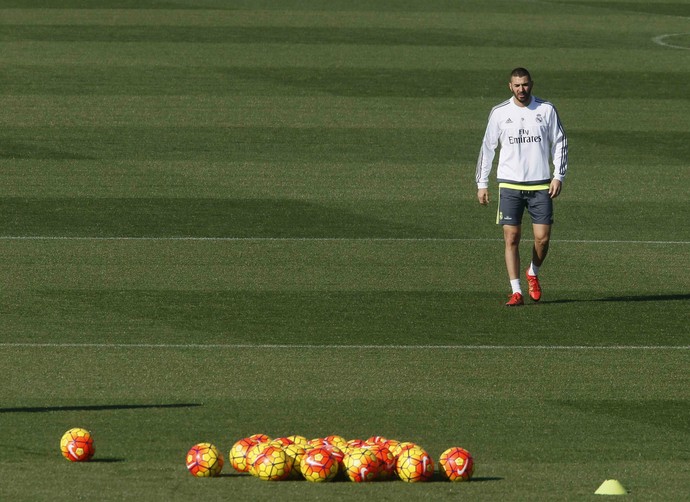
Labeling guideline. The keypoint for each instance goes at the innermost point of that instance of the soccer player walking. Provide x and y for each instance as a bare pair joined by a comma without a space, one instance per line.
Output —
530,134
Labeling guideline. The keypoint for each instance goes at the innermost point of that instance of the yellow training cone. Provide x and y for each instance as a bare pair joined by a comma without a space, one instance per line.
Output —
611,487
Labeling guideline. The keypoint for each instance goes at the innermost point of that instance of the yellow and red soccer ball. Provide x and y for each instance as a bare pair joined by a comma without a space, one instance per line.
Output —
456,464
272,464
204,460
375,440
295,453
316,443
361,465
76,445
339,457
237,456
299,440
355,443
387,461
319,465
398,447
281,442
392,445
337,441
260,438
253,454
241,456
414,465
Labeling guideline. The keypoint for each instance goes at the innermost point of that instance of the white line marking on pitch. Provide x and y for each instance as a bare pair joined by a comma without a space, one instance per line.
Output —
343,347
324,239
661,40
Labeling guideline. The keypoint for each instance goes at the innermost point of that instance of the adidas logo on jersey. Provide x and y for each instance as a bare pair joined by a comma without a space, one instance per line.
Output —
509,121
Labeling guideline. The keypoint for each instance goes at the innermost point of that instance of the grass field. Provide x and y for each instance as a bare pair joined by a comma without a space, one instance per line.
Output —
226,217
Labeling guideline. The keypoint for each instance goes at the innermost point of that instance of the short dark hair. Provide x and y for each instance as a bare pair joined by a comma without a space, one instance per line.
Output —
520,72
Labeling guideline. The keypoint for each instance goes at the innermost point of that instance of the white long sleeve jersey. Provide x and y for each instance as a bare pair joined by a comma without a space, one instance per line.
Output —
528,137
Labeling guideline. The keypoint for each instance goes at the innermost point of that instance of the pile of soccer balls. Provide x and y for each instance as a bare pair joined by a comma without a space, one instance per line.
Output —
316,460
325,459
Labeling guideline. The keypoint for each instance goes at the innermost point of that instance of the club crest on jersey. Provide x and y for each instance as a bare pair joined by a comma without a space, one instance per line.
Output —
540,119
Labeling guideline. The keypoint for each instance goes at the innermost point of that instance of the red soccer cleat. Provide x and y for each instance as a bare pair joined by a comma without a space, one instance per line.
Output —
534,288
515,300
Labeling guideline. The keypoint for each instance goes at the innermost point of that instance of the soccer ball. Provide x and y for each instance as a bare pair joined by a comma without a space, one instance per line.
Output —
374,440
338,454
295,453
281,442
398,447
316,443
318,465
361,465
355,444
76,445
414,465
238,454
253,454
456,464
300,440
387,461
337,441
204,460
272,464
260,438
392,445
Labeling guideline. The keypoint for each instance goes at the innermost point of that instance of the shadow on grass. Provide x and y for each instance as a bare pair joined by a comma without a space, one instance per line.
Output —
438,478
340,478
105,407
653,413
109,460
201,217
626,299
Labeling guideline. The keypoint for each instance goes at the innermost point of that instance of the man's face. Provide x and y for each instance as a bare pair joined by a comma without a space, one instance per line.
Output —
521,87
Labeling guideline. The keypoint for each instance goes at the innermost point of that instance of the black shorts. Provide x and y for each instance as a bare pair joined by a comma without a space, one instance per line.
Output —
512,204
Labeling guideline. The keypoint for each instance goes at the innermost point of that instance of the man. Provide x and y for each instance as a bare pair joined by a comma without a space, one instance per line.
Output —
529,133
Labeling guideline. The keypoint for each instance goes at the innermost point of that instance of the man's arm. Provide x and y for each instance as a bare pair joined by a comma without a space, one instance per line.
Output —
559,149
487,153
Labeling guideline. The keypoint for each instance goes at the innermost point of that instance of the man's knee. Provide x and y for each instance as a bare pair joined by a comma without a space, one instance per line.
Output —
541,240
542,235
511,235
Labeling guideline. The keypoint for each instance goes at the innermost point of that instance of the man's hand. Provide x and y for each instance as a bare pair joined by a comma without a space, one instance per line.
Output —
483,196
554,188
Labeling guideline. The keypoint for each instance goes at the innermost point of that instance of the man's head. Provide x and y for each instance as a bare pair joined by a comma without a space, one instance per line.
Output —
520,85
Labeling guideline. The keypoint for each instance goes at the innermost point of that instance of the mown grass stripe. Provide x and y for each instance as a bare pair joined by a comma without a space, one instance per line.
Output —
343,347
321,239
235,79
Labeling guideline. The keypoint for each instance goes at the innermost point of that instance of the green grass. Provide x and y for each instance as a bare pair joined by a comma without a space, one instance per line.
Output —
219,218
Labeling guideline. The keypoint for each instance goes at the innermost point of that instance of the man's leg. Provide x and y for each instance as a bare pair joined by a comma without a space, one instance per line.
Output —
511,207
540,207
511,237
542,235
